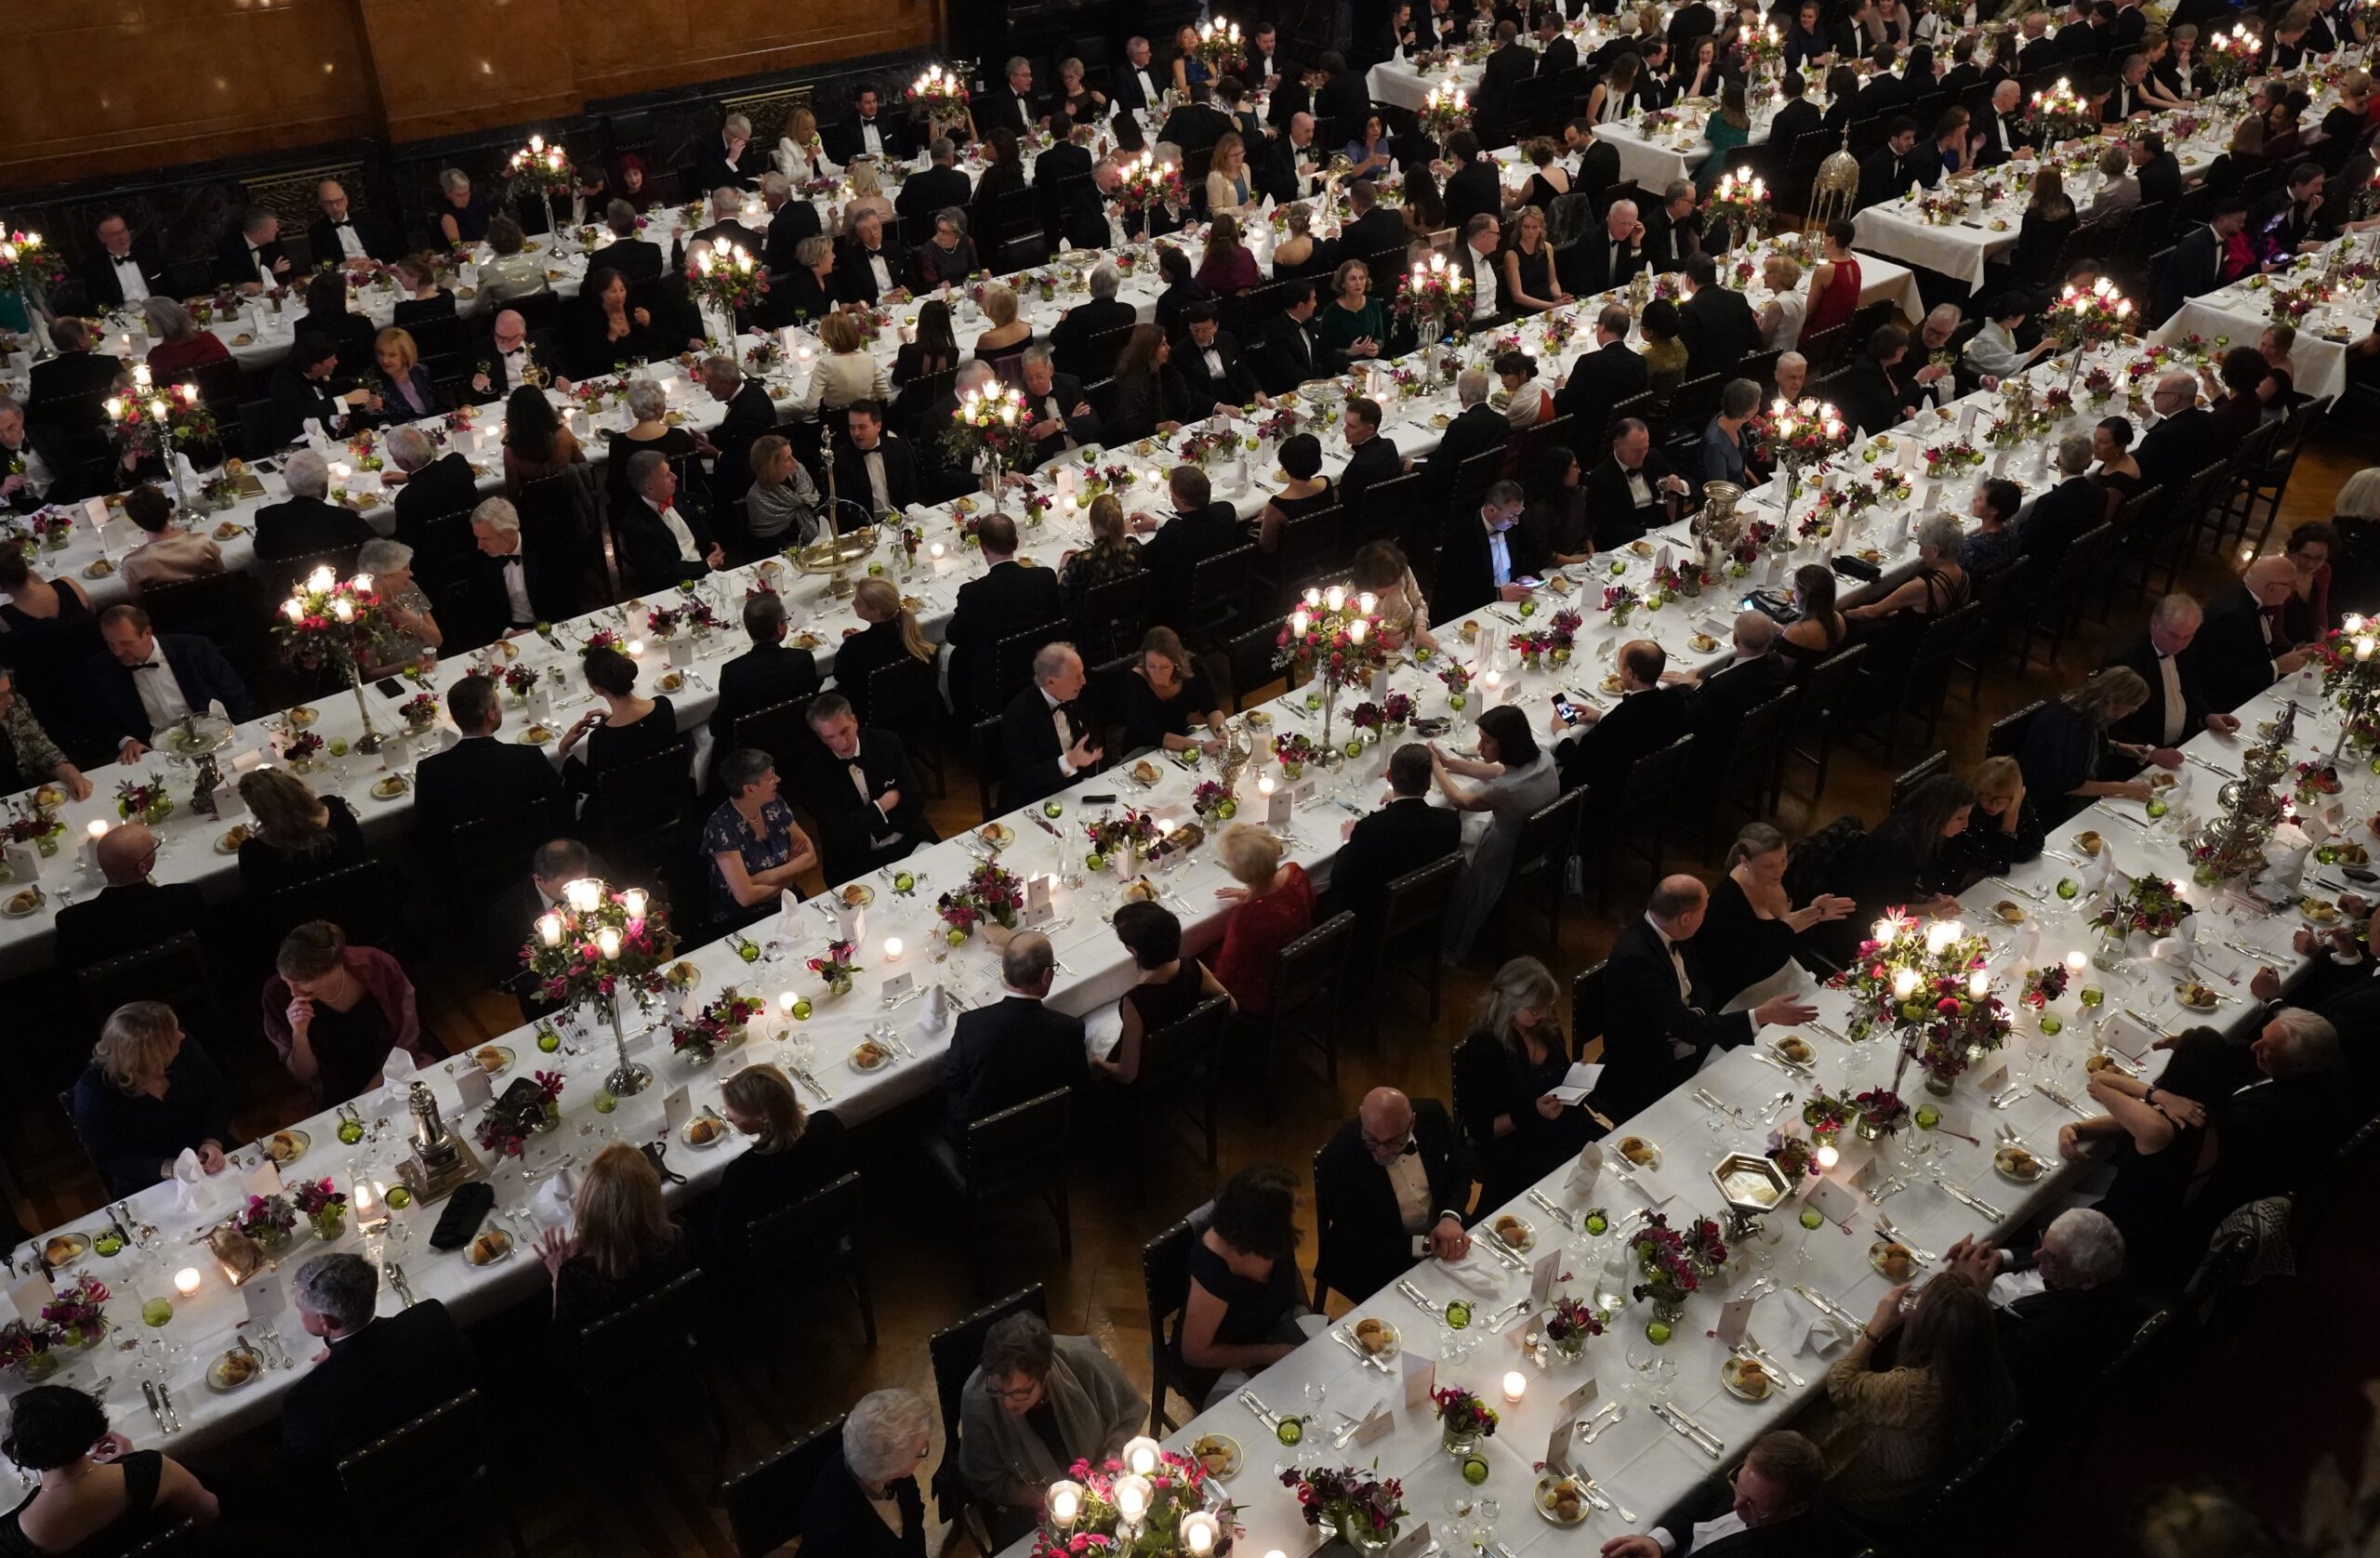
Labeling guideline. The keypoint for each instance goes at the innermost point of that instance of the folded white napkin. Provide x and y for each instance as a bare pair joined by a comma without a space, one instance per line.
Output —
2285,854
190,1183
555,1199
789,912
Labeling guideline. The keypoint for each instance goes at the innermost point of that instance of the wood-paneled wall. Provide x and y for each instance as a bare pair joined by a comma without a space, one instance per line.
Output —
107,88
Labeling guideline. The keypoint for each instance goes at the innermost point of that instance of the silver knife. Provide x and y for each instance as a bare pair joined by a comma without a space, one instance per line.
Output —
1691,1435
1536,1198
165,1394
149,1393
1753,1345
1975,1202
2060,1099
1766,1059
1505,1254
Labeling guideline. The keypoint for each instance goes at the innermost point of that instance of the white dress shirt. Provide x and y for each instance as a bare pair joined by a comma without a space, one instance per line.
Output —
1499,558
871,139
128,278
160,695
1066,732
1705,1532
1679,1048
1486,294
37,474
349,246
677,532
516,591
255,257
881,271
1640,491
1412,1182
880,495
2169,671
512,365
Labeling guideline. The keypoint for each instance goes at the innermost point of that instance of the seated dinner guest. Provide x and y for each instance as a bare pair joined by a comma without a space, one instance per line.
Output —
768,673
148,1096
1772,1509
665,544
621,1244
1168,988
1245,1296
333,1013
2071,1311
795,1153
1405,835
97,1494
1891,1435
756,848
479,775
27,754
1750,925
1506,1070
307,522
1014,1052
1517,777
1165,700
1276,907
131,912
863,791
865,1503
373,1375
1035,1406
296,836
1038,759
1391,1187
147,682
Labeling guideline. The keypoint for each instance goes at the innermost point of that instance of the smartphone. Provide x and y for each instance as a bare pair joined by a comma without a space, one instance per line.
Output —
1563,706
1099,799
390,687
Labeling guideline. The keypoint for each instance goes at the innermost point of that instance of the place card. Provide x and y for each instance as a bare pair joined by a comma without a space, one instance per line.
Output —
24,863
96,509
638,1049
1576,1083
2129,1036
1279,810
1836,1203
1734,1316
1562,1444
1993,1080
266,1301
265,1178
1421,1374
898,987
1956,1120
30,1294
1304,791
1543,1275
1576,1402
1413,1543
851,923
677,1107
681,652
1037,893
478,1091
1377,1422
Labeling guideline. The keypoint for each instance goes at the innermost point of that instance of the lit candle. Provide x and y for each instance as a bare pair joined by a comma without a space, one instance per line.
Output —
2363,647
360,584
784,1004
2076,962
632,900
636,649
343,609
1313,598
892,949
365,1194
1887,931
95,830
1335,597
1904,984
583,894
1131,1497
1357,628
1066,1503
321,580
1298,622
1977,983
607,941
549,928
1140,1456
1264,786
2353,623
1366,602
1200,1533
1515,1385
186,1281
1827,1158
1938,935
933,551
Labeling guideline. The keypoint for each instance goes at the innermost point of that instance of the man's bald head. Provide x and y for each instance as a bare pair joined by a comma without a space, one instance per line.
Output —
126,852
1387,1120
2272,580
1755,633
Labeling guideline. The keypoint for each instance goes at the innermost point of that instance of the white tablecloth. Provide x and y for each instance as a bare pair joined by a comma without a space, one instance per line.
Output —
2241,312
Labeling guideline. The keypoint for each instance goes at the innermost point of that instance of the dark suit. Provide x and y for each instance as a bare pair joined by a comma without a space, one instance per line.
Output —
198,667
1618,520
2230,657
1506,68
1466,579
1070,338
1008,1054
1402,836
480,776
446,485
795,220
1473,187
2001,138
380,240
750,415
302,526
2059,518
235,267
1793,121
654,562
847,139
383,1376
1600,755
1885,174
737,235
1667,242
903,482
1378,230
1374,460
550,583
1601,379
1479,429
1719,329
855,279
1065,393
1061,163
1291,353
1004,105
837,1517
65,391
762,677
848,828
127,918
48,443
715,169
936,187
2056,1342
2178,448
2159,179
1361,1241
1030,749
1557,57
107,290
641,258
1595,264
2196,268
1009,599
1718,707
1644,1015
295,398
2147,727
1808,1535
1345,96
1172,555
1236,386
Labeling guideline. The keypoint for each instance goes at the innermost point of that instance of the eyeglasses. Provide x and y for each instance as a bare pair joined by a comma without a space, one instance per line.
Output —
1021,1394
1400,1144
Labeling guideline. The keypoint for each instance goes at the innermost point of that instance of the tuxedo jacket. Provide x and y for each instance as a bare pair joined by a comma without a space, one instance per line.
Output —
1009,599
382,1377
1070,338
295,398
1601,379
125,917
49,442
1600,755
1005,106
107,289
1595,264
65,391
447,485
480,776
550,582
1667,242
1793,121
1618,520
750,416
1808,1535
1473,189
1718,707
653,560
904,480
2230,653
1293,353
1374,461
1195,127
934,189
762,677
1008,1053
233,267
1361,1243
715,169
1174,553
379,239
1029,747
2147,727
848,826
1644,1015
855,279
795,220
1557,57
737,233
844,142
641,259
199,668
302,526
1235,387
1466,579
2059,517
1061,163
1067,391
1402,836
1719,329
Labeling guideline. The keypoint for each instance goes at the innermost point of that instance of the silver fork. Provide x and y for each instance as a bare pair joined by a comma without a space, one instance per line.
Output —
1594,1490
1752,1344
1884,1225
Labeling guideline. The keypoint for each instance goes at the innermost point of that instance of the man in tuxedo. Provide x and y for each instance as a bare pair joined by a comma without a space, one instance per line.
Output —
1593,164
131,912
1047,739
640,259
730,162
2177,708
1070,338
2158,171
1405,835
1066,162
145,682
1627,491
1772,1511
1391,1187
65,391
1210,363
301,393
1509,64
1656,1025
1015,1051
479,775
1198,528
129,270
939,186
1601,378
2305,219
1292,351
2198,265
875,469
1370,457
1887,172
1677,231
2067,1311
1718,327
1010,104
346,237
2280,1128
1475,255
869,264
2041,50
1292,165
726,206
1997,136
1009,599
790,221
1476,428
2063,513
1343,95
1472,188
1060,416
1605,744
1608,259
307,522
769,673
1138,83
2181,443
432,485
1795,118
866,134
1376,229
1555,52
34,470
251,257
863,791
513,914
373,1375
1719,702
1488,561
1196,125
2239,652
750,416
665,544
515,586
1884,92
510,353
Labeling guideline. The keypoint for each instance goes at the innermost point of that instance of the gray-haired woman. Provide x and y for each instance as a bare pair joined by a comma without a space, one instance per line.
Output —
1037,1404
414,634
865,1502
181,344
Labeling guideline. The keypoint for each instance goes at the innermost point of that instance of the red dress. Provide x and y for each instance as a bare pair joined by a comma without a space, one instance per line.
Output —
1838,302
1258,930
172,357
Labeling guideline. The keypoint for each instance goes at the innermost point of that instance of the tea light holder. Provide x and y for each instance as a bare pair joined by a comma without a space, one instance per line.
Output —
1515,1385
892,949
186,1281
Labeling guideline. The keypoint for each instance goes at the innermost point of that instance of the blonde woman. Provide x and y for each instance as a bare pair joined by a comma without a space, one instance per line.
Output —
406,386
1274,907
890,638
794,1153
621,1244
296,836
848,372
2068,754
1753,918
2004,831
799,154
867,194
1007,335
781,501
148,1096
1114,553
1526,264
1781,317
1229,188
1297,254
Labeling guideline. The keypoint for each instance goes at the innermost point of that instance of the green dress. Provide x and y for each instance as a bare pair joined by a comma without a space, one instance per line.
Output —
1722,138
1342,326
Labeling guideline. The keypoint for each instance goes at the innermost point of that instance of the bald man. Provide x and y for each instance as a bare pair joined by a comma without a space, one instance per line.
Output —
2239,650
1392,1186
1016,1049
131,913
342,235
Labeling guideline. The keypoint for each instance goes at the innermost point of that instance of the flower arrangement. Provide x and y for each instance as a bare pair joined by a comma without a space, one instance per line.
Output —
2291,305
719,1025
1796,1156
1147,183
27,265
1571,1324
269,1220
505,1131
1112,1511
989,893
2314,781
1656,122
725,276
299,748
1388,716
1940,208
1333,634
1206,443
76,1313
1957,454
2058,115
1618,602
147,801
1881,1111
2150,906
1218,46
1805,432
2229,58
936,94
1930,989
600,944
1213,798
1430,294
519,676
2043,985
663,622
329,621
1462,1413
1333,1500
2351,676
321,1204
1675,1263
1295,751
1825,1114
602,637
836,967
1111,835
418,711
1443,111
542,166
1456,678
149,418
1760,47
1674,580
2088,317
990,423
28,1347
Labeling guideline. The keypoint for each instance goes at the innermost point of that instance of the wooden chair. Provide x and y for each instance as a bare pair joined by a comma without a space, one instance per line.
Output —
901,698
1306,979
1417,907
1111,617
781,730
956,1352
656,1339
1178,1069
2006,737
1935,762
363,899
1012,667
1818,713
1753,762
1018,1151
1640,820
1547,841
1310,545
443,1460
1252,661
642,799
764,1502
1164,1282
1219,596
814,1238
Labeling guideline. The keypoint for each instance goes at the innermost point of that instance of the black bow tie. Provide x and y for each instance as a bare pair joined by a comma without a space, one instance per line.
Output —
343,222
146,665
125,260
867,124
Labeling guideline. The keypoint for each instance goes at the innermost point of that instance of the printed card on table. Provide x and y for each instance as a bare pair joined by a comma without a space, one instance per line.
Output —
266,1301
1836,1203
1734,1316
265,1178
677,1107
1377,1422
1279,809
29,1294
2130,1036
1412,1543
1541,1276
1993,1081
1562,1444
897,987
1421,1374
1957,1120
24,863
477,1090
